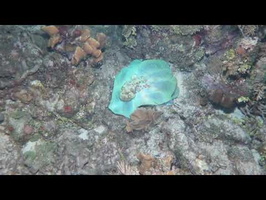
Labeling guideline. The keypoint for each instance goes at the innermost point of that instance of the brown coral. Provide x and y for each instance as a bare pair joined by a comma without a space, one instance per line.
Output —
96,60
149,165
94,43
51,30
92,46
85,34
101,38
142,119
78,55
222,99
88,48
54,40
79,41
91,49
147,162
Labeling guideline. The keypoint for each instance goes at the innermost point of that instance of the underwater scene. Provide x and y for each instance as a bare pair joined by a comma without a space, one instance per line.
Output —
132,99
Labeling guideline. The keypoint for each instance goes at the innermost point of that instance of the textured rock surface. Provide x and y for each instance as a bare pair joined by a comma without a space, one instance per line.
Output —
9,156
2,117
67,128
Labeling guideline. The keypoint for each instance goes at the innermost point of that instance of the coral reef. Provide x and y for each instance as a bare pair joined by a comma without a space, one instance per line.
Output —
142,119
257,101
222,93
225,100
152,41
227,82
148,82
186,29
53,32
77,44
54,117
150,165
248,30
129,33
236,66
217,38
147,162
78,56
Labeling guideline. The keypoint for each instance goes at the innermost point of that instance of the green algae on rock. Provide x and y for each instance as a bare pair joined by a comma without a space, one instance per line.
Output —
148,82
38,154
